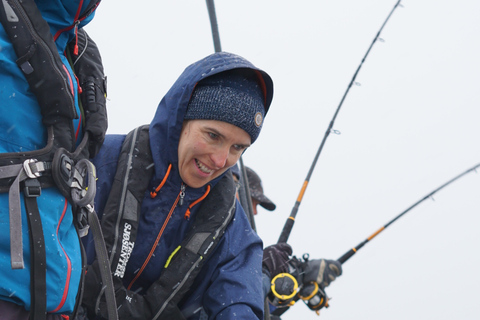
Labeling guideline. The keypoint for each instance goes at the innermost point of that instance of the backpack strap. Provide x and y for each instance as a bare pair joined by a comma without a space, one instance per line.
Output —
122,210
38,274
88,68
121,215
41,65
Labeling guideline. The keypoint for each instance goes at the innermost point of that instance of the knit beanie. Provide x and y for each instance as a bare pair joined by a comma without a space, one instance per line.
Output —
232,96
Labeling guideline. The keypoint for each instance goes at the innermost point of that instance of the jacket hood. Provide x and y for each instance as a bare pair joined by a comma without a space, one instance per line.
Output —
167,123
63,15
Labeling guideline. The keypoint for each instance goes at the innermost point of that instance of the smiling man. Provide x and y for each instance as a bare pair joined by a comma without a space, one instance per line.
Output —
164,188
207,149
229,110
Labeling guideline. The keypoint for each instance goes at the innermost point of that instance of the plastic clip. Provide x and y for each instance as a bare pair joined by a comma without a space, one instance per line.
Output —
27,166
32,188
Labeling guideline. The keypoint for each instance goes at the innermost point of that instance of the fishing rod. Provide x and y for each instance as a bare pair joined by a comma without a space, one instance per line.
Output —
287,228
286,288
214,25
354,250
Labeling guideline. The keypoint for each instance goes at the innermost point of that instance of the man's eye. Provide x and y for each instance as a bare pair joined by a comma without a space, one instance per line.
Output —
238,147
213,135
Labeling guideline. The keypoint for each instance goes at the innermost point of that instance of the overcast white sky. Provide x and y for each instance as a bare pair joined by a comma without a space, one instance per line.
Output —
410,126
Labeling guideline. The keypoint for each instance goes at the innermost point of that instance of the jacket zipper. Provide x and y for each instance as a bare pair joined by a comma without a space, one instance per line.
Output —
182,194
180,198
69,263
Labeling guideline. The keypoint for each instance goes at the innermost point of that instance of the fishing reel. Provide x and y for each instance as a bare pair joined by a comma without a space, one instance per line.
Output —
288,288
314,296
285,286
311,293
283,290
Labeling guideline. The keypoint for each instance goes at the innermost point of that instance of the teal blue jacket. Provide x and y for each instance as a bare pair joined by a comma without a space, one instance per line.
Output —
21,129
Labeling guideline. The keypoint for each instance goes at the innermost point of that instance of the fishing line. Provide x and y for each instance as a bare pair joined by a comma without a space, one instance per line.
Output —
352,251
291,219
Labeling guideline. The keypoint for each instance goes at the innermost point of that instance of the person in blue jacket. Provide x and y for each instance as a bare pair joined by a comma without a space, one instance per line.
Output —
205,122
48,288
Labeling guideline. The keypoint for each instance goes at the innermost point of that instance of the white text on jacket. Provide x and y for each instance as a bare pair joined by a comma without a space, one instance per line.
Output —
127,248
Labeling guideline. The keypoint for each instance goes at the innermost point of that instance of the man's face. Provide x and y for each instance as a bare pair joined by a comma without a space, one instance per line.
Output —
207,148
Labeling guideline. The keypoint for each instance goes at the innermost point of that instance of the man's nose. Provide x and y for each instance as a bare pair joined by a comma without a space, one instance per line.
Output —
220,157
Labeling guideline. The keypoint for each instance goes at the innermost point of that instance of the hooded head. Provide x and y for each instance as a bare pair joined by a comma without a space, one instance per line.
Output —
222,87
65,16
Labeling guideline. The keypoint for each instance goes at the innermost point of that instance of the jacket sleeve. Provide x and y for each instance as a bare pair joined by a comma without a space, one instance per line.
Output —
235,290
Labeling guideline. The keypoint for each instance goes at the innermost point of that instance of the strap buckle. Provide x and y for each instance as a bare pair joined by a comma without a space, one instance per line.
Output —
82,222
33,168
32,188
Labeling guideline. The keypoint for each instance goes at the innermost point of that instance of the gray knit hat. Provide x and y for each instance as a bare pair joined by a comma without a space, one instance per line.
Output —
232,96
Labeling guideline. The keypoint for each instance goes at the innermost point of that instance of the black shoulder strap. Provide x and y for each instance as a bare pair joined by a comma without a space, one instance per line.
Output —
40,62
122,210
88,69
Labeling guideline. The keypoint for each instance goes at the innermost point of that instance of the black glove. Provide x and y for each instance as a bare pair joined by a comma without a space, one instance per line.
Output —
276,258
322,271
92,288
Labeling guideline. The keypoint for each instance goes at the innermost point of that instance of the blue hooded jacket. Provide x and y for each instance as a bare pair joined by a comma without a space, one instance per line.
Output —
22,130
229,285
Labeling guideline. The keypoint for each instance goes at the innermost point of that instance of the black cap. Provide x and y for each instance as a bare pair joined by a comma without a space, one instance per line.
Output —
256,190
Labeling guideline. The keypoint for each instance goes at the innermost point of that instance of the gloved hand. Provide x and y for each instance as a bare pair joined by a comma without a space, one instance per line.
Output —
92,288
322,271
276,258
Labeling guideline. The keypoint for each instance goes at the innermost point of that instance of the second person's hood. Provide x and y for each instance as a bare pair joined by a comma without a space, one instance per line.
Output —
63,15
167,123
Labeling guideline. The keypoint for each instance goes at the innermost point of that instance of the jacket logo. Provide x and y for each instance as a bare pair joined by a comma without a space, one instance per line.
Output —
127,248
258,119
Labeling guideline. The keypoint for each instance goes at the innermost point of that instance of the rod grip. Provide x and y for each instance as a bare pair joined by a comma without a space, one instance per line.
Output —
346,256
287,228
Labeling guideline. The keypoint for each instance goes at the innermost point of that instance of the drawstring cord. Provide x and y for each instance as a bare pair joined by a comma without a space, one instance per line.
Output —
153,194
75,48
187,213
